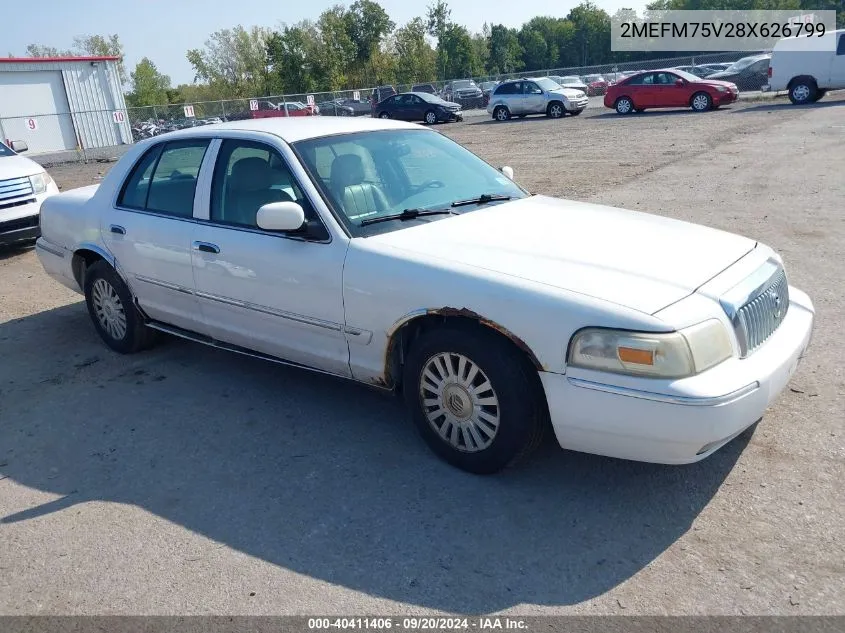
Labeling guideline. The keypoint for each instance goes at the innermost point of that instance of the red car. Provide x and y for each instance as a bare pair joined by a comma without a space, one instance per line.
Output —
596,85
668,89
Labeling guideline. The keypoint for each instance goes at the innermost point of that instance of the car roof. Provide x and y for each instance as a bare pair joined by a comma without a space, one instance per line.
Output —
294,129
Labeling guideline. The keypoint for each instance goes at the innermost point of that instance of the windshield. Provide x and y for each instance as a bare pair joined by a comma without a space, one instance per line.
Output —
370,174
570,80
686,75
547,84
593,78
5,151
430,98
740,64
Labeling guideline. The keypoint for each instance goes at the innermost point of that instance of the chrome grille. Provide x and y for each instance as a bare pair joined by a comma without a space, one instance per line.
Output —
15,188
757,319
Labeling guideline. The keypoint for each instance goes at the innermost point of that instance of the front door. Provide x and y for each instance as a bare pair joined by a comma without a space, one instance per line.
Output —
150,228
274,293
533,101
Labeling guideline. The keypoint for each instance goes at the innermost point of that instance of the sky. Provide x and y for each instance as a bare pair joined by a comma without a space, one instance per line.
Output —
164,30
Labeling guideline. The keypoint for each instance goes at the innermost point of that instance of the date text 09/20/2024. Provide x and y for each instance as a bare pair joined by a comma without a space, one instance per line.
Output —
417,623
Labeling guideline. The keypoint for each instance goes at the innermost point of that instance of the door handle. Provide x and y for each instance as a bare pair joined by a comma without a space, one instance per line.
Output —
206,247
116,228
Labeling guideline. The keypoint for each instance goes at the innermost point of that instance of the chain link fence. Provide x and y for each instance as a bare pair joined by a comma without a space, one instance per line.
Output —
106,135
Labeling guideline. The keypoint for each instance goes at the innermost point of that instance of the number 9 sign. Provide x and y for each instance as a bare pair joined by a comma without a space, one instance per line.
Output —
31,124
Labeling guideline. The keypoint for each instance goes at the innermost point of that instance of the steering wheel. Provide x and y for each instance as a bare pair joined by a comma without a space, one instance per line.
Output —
431,184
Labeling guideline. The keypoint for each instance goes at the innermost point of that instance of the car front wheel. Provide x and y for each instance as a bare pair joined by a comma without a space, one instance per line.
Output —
113,311
473,399
555,110
701,102
384,115
430,117
624,105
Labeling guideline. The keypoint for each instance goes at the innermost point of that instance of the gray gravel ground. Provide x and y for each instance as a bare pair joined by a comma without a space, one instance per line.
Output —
186,480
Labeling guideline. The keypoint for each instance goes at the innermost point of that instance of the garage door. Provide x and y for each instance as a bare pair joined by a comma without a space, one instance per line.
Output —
34,108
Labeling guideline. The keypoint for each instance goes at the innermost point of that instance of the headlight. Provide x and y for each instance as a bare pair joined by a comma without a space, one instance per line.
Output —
721,89
666,355
40,182
578,95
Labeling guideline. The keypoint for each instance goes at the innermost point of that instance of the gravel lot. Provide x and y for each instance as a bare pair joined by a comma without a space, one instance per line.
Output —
186,480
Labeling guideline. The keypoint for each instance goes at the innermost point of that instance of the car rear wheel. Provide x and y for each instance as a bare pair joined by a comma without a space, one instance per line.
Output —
624,105
473,398
430,117
384,115
701,102
555,110
803,91
113,310
501,113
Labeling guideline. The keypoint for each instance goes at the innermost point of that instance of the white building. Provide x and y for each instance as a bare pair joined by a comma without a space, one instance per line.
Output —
62,103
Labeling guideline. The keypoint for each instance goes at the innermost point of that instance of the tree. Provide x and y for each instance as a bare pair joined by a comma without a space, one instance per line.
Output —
93,45
149,86
505,51
367,26
437,21
290,55
235,58
461,59
37,50
415,59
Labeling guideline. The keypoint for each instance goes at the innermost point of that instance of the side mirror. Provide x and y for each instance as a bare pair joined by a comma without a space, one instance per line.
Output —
280,216
19,146
507,171
679,82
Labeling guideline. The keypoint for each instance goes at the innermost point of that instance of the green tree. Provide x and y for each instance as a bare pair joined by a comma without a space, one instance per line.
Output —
438,20
505,51
149,86
38,50
92,45
415,59
235,59
290,55
461,59
368,25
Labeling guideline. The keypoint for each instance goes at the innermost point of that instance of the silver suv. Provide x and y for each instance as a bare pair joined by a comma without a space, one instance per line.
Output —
520,97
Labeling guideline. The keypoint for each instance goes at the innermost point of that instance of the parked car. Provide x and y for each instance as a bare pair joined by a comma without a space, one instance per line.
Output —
669,88
359,108
418,106
720,66
748,73
334,108
596,85
380,94
698,71
808,67
521,97
569,81
24,185
487,88
268,109
429,88
385,253
465,92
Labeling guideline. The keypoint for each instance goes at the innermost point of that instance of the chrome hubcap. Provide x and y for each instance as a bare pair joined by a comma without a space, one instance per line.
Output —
109,309
801,93
431,117
459,402
502,114
385,115
624,106
700,102
555,111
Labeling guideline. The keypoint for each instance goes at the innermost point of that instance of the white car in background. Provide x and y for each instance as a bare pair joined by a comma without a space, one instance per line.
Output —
386,253
807,67
24,185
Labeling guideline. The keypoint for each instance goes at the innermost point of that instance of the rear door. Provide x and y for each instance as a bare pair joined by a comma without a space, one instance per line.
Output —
150,228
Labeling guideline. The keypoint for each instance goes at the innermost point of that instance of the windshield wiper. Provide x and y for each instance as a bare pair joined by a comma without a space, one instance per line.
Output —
408,214
482,199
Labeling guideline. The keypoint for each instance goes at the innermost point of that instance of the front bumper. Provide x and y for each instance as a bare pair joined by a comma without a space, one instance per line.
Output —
19,221
691,419
574,105
726,97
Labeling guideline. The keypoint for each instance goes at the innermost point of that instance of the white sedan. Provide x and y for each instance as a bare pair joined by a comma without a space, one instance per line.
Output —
385,253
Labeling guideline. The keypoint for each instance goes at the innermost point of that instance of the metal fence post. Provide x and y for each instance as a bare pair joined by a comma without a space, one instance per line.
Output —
155,114
223,109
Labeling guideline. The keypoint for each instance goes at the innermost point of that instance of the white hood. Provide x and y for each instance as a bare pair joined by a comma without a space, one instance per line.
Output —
642,261
569,93
17,166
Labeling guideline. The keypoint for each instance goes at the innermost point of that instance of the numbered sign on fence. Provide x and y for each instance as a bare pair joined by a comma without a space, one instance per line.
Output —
189,111
31,124
253,104
356,95
119,116
310,99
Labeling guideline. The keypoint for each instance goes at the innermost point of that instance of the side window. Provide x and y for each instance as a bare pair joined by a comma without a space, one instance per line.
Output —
648,80
247,176
504,89
840,47
635,81
165,179
530,88
135,189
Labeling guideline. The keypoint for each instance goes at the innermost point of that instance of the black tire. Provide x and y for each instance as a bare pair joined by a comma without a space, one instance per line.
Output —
430,117
819,94
384,115
520,406
624,105
555,110
135,336
576,112
701,102
803,90
501,113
